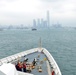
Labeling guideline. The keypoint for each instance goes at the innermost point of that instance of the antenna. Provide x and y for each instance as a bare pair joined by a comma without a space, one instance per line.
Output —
40,43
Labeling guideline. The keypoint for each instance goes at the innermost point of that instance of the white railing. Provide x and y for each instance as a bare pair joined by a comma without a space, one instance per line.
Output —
49,56
52,62
16,56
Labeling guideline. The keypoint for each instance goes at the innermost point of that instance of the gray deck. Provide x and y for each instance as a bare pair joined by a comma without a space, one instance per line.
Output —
43,65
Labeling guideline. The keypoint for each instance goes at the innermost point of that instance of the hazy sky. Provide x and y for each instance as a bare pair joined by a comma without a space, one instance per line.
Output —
18,12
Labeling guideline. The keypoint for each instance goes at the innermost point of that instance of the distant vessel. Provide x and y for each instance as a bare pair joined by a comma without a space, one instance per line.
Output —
33,29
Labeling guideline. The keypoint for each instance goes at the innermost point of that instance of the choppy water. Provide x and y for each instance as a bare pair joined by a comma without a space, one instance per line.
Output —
60,42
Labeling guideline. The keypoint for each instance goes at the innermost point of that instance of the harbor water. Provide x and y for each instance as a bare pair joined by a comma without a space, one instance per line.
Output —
61,43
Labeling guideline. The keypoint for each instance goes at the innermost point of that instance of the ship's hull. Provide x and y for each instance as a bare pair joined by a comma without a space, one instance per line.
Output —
44,60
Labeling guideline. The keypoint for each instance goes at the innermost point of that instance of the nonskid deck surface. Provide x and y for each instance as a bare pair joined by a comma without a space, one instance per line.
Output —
41,62
43,65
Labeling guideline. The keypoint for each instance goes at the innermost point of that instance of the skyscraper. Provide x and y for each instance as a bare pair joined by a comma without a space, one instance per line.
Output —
48,19
42,23
38,23
34,23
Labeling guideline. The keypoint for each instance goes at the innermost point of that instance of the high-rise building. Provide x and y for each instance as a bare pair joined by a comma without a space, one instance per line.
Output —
48,19
38,23
34,23
45,24
42,23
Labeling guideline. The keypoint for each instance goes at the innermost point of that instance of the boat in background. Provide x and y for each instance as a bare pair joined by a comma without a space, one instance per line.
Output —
34,29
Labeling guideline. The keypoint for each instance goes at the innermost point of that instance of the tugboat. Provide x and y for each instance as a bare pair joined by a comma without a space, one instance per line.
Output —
34,29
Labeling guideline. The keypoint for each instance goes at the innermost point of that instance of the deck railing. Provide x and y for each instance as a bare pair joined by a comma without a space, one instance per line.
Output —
49,56
16,56
52,62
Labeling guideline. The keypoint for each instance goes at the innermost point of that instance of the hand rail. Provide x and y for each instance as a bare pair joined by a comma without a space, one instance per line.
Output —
52,62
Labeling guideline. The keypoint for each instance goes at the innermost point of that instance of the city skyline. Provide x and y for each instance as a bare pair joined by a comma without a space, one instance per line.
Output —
41,22
17,12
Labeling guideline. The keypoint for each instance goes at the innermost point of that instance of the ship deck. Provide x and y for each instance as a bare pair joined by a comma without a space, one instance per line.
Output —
41,61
